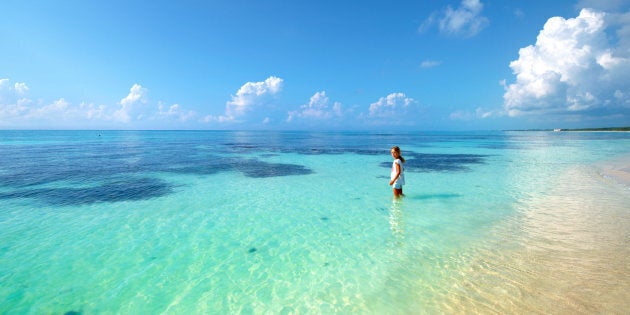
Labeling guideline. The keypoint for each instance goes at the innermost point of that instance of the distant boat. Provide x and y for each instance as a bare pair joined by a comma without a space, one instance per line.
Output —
557,129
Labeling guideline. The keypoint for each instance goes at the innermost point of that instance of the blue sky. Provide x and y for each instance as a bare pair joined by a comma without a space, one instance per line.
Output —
327,65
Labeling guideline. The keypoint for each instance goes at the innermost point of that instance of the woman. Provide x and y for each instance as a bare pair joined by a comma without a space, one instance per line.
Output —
397,177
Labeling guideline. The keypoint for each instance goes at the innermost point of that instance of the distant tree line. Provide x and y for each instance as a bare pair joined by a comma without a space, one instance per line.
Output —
600,129
579,129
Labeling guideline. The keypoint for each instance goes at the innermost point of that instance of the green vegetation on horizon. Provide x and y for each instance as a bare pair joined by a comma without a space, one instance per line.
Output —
583,129
600,129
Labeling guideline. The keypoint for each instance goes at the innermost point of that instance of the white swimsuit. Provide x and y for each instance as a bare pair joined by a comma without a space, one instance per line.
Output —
401,179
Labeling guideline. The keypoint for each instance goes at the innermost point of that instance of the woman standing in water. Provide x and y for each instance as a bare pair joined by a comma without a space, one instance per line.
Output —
397,177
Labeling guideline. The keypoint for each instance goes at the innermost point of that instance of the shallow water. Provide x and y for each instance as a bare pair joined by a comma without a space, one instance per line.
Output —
298,222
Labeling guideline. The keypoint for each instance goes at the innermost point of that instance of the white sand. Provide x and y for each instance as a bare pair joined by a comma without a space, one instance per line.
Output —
617,170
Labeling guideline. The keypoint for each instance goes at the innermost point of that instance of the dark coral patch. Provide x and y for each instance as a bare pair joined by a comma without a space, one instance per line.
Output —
259,169
420,162
124,190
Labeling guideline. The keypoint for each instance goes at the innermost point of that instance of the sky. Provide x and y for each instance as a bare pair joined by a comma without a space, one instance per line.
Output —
314,65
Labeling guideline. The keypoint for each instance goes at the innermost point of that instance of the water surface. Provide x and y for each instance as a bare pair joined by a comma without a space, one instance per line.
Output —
282,222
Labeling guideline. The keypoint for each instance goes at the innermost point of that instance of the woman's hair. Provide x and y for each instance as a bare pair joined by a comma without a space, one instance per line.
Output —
397,150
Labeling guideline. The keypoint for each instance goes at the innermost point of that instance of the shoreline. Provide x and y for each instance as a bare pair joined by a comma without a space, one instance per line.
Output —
565,251
617,170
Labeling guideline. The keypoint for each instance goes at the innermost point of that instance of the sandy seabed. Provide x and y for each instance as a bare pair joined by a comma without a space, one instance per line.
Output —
617,170
567,252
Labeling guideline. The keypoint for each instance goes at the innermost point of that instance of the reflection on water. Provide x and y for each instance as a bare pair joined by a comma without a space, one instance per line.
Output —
396,222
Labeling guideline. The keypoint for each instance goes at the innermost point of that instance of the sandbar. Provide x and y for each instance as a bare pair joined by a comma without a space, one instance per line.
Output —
617,170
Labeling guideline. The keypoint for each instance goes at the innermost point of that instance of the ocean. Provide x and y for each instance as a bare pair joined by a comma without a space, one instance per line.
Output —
257,222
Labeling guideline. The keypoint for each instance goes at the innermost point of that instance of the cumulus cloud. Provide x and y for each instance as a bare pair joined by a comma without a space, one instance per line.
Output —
577,65
28,113
466,20
394,106
137,95
318,107
93,111
252,94
58,109
9,112
17,110
174,111
13,102
603,5
21,88
6,88
248,97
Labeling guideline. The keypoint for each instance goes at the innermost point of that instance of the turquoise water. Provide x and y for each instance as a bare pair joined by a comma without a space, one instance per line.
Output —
181,222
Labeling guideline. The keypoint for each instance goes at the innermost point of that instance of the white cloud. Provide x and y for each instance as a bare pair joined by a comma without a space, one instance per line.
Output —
18,88
479,113
428,23
392,106
430,64
604,5
21,87
573,67
250,94
11,111
4,83
19,111
466,20
13,103
318,107
55,110
248,97
176,112
137,95
461,115
92,111
59,105
59,113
